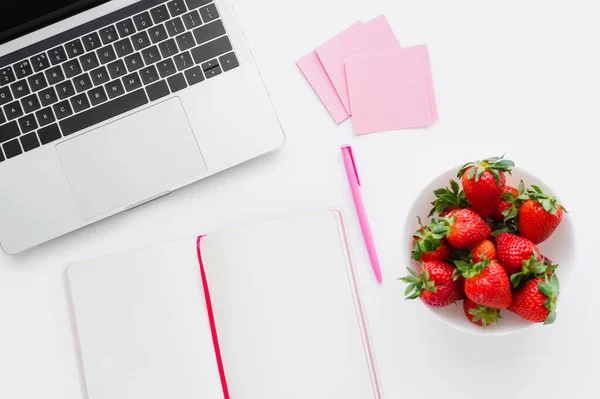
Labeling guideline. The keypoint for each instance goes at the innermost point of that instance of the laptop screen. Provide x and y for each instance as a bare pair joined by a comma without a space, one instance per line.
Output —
19,17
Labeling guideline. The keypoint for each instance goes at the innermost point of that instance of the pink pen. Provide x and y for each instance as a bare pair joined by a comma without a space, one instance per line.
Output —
354,181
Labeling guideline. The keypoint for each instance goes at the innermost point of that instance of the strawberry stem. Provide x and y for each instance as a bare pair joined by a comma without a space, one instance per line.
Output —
417,283
494,165
448,198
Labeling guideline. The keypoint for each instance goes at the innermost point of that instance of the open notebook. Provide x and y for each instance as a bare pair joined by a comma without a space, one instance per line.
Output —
269,311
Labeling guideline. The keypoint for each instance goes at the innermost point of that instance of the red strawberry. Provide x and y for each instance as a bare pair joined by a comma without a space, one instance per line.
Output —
512,250
426,248
504,204
486,283
479,314
536,300
434,283
483,182
484,248
534,267
539,216
448,199
462,228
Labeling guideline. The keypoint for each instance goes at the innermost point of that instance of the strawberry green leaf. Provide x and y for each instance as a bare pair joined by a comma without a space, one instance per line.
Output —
551,317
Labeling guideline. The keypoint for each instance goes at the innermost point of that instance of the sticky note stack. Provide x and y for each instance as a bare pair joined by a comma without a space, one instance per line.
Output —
364,73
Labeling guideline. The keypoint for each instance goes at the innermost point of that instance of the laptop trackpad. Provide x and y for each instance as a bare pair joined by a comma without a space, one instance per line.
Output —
131,159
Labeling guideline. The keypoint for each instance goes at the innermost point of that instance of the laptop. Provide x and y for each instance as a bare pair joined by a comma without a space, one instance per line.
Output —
106,105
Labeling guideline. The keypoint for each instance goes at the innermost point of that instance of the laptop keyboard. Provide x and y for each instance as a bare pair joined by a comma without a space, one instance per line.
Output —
107,67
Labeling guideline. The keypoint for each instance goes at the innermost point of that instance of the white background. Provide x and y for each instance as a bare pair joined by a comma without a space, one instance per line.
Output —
520,77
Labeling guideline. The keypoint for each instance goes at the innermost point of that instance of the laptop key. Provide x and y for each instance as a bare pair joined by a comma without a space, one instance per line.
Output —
28,123
123,47
151,55
132,82
9,131
149,75
168,48
142,21
74,48
57,55
1,156
89,61
45,116
192,20
209,31
108,35
91,41
13,110
80,102
176,7
49,134
30,142
12,149
116,69
177,82
114,89
174,26
194,75
2,118
106,54
7,76
82,83
212,49
65,89
183,61
48,96
71,68
37,82
62,109
211,73
97,95
55,75
126,28
157,90
5,95
228,61
30,103
196,3
40,62
166,68
157,33
209,13
185,41
134,62
160,14
103,112
99,76
23,69
140,40
210,65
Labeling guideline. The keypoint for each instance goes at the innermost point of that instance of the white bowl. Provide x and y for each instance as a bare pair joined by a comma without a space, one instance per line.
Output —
559,248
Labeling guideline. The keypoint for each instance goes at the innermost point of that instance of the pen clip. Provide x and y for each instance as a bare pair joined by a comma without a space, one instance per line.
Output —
353,163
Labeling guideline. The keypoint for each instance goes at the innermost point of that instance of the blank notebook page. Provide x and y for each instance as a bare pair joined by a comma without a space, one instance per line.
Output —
142,325
284,310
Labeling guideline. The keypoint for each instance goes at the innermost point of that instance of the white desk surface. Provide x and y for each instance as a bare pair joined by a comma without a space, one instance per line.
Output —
520,77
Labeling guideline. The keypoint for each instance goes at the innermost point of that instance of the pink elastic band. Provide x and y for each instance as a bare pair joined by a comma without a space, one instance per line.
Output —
213,326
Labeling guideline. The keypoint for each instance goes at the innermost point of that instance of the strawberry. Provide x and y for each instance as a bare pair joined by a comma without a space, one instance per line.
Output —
512,250
484,248
426,248
534,267
462,228
479,314
448,199
504,203
483,182
434,283
536,300
486,283
539,215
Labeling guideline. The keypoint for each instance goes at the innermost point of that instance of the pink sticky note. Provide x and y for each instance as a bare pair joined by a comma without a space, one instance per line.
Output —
390,90
374,36
315,74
